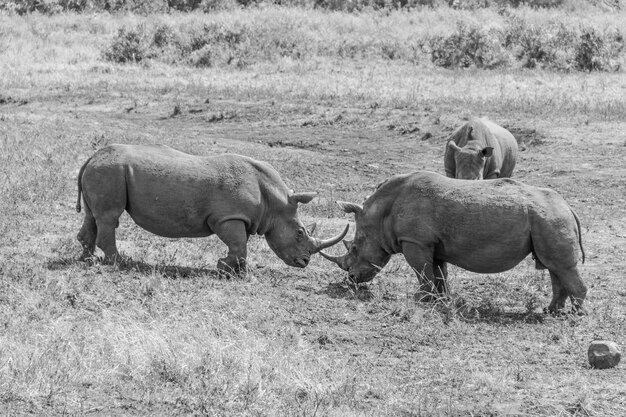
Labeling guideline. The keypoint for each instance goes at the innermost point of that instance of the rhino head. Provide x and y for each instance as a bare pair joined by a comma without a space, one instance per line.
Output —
365,257
470,160
290,240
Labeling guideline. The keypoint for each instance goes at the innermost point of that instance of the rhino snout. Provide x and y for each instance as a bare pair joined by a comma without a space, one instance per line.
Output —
301,262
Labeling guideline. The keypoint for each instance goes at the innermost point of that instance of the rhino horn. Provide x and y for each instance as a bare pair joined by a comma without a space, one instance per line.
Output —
302,198
452,145
311,228
323,244
350,207
335,259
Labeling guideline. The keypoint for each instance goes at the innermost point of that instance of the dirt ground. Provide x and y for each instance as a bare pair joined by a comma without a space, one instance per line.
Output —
484,353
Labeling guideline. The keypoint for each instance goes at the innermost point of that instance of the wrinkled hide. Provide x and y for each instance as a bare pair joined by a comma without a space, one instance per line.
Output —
174,194
480,226
480,149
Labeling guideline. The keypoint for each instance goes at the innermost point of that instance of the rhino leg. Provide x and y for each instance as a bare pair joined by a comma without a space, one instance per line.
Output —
105,239
567,282
431,274
233,234
87,235
559,295
104,191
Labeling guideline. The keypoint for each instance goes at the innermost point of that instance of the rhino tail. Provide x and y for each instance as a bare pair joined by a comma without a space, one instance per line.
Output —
580,235
80,185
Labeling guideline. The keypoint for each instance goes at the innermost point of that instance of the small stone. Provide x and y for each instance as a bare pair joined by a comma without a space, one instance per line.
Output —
603,354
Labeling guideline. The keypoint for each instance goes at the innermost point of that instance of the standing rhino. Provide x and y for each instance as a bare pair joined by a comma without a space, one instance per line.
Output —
174,194
480,149
481,226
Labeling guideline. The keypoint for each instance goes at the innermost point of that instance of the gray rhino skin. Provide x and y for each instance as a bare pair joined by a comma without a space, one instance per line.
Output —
480,149
480,226
174,194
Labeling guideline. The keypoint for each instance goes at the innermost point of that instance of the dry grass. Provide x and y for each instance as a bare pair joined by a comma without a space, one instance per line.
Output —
164,336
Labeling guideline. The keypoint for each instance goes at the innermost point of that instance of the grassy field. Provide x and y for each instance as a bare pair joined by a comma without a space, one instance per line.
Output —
165,336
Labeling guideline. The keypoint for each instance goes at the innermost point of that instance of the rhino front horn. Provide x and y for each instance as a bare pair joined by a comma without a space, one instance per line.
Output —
323,244
335,259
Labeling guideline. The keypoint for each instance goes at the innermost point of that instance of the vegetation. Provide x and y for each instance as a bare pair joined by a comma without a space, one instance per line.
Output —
337,102
509,40
149,6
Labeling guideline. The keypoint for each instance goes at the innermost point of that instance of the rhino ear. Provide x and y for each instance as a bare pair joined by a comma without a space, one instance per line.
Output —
487,151
452,145
302,197
350,207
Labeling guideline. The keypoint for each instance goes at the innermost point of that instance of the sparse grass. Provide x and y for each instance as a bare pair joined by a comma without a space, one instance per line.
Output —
163,335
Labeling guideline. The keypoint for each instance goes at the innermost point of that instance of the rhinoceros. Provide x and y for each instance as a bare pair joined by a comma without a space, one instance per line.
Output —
480,149
175,194
480,226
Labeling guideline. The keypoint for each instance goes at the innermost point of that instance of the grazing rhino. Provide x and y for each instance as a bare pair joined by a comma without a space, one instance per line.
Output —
480,226
174,194
480,149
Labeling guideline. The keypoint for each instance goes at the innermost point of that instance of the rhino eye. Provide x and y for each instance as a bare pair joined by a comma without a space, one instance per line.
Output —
299,235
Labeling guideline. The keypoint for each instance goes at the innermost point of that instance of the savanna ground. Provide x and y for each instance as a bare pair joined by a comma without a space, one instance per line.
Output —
165,336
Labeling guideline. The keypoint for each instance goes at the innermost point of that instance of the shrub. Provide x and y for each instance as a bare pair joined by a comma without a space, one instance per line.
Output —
127,46
559,47
184,5
533,46
240,42
589,50
468,46
596,52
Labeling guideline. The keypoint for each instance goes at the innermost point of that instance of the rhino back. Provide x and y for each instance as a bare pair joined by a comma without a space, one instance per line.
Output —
174,194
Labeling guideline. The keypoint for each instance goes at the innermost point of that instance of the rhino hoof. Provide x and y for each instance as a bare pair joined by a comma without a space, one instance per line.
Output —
88,258
229,268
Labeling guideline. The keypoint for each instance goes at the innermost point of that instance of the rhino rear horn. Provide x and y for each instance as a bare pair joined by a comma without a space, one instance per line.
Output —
452,145
323,244
350,207
311,228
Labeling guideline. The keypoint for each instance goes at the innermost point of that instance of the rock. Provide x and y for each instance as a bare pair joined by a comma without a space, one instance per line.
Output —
603,354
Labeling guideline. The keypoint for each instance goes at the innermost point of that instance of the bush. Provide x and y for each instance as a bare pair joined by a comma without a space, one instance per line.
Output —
127,46
556,46
551,46
589,51
596,52
49,7
240,42
468,46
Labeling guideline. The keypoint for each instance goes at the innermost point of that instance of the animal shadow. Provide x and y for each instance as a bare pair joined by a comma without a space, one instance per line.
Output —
348,290
129,265
450,309
168,271
59,264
